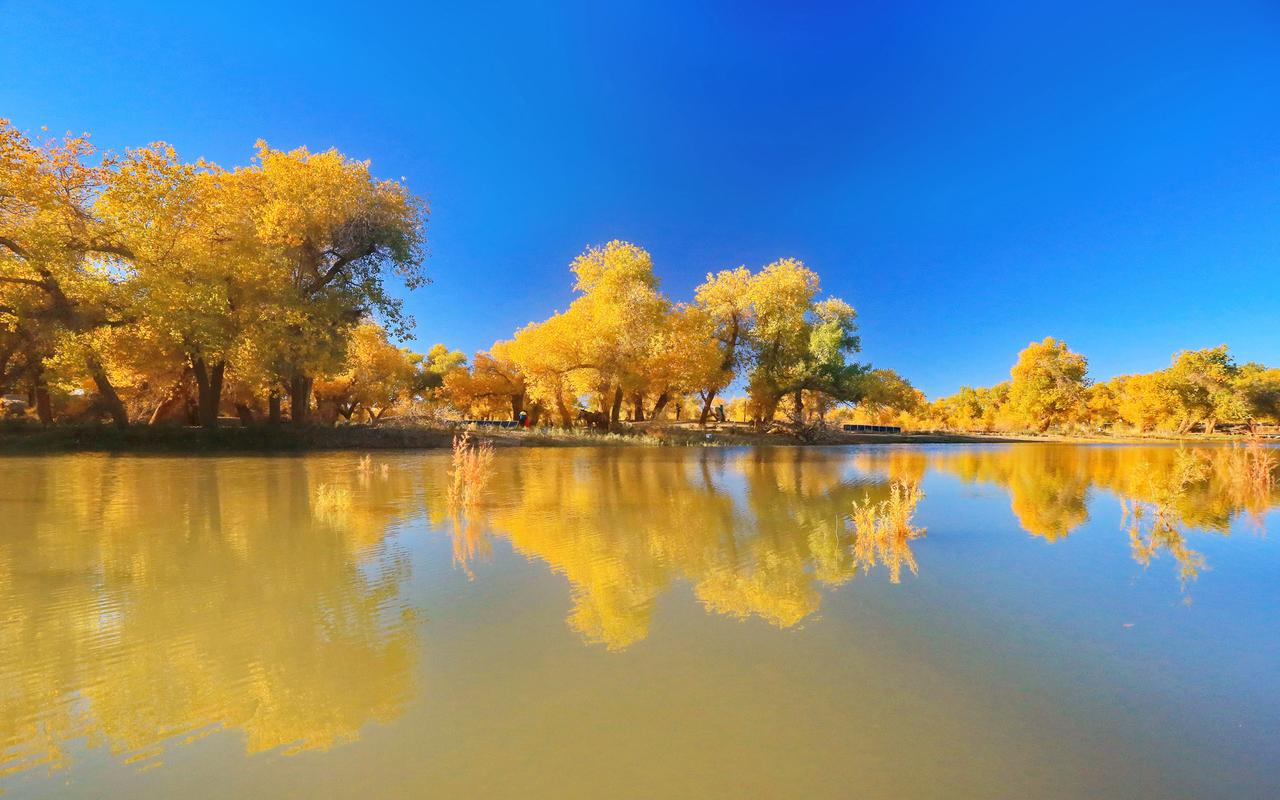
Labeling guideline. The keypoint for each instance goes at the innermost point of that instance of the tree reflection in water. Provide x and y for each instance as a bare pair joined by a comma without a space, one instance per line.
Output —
1152,520
757,533
149,602
1165,492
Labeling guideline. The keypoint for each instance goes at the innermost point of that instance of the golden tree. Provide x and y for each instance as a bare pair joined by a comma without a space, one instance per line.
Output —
341,232
1048,384
62,270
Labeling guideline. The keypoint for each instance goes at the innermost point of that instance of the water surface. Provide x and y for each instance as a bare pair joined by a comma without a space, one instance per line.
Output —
1072,621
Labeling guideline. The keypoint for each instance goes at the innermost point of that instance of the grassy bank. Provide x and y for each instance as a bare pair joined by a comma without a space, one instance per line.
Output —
27,438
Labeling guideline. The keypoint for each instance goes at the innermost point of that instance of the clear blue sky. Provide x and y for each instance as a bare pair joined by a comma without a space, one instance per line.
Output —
970,176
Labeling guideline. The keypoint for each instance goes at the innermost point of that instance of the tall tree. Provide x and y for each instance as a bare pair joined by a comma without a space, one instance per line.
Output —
725,299
200,279
1203,381
799,343
1259,388
342,233
63,269
619,313
548,354
1048,384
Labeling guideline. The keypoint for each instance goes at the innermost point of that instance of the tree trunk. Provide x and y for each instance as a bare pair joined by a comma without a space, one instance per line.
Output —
208,390
175,395
601,422
799,406
273,407
299,398
517,405
246,415
637,406
110,398
1210,425
616,409
706,407
660,404
216,376
768,408
44,408
726,368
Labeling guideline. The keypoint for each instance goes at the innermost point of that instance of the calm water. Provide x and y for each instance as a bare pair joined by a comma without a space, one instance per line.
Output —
1084,622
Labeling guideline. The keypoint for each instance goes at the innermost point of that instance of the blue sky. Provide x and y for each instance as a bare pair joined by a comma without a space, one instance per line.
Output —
971,176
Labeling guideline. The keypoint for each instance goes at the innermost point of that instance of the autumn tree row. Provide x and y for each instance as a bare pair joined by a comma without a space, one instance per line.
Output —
623,348
142,286
1049,388
140,279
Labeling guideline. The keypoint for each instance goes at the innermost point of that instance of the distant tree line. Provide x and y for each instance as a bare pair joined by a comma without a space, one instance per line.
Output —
1050,389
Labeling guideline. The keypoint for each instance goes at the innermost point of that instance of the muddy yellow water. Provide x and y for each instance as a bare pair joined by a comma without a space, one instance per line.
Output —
1001,621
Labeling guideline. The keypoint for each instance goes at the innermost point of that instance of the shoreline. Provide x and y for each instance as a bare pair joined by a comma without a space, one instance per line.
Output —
30,440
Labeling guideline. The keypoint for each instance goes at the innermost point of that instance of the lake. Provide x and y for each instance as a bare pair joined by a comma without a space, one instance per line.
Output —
1056,621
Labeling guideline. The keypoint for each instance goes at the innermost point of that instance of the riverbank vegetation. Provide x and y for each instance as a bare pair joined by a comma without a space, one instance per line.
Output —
141,289
1050,389
469,472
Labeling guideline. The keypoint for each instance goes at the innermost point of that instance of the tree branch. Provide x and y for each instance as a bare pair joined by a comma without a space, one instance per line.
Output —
340,264
13,246
111,249
25,282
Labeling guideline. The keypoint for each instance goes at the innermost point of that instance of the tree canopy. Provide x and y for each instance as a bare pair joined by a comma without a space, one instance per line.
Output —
131,277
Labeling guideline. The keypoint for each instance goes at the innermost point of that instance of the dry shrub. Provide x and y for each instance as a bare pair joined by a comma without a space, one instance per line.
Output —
883,531
470,472
332,502
1251,475
365,470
